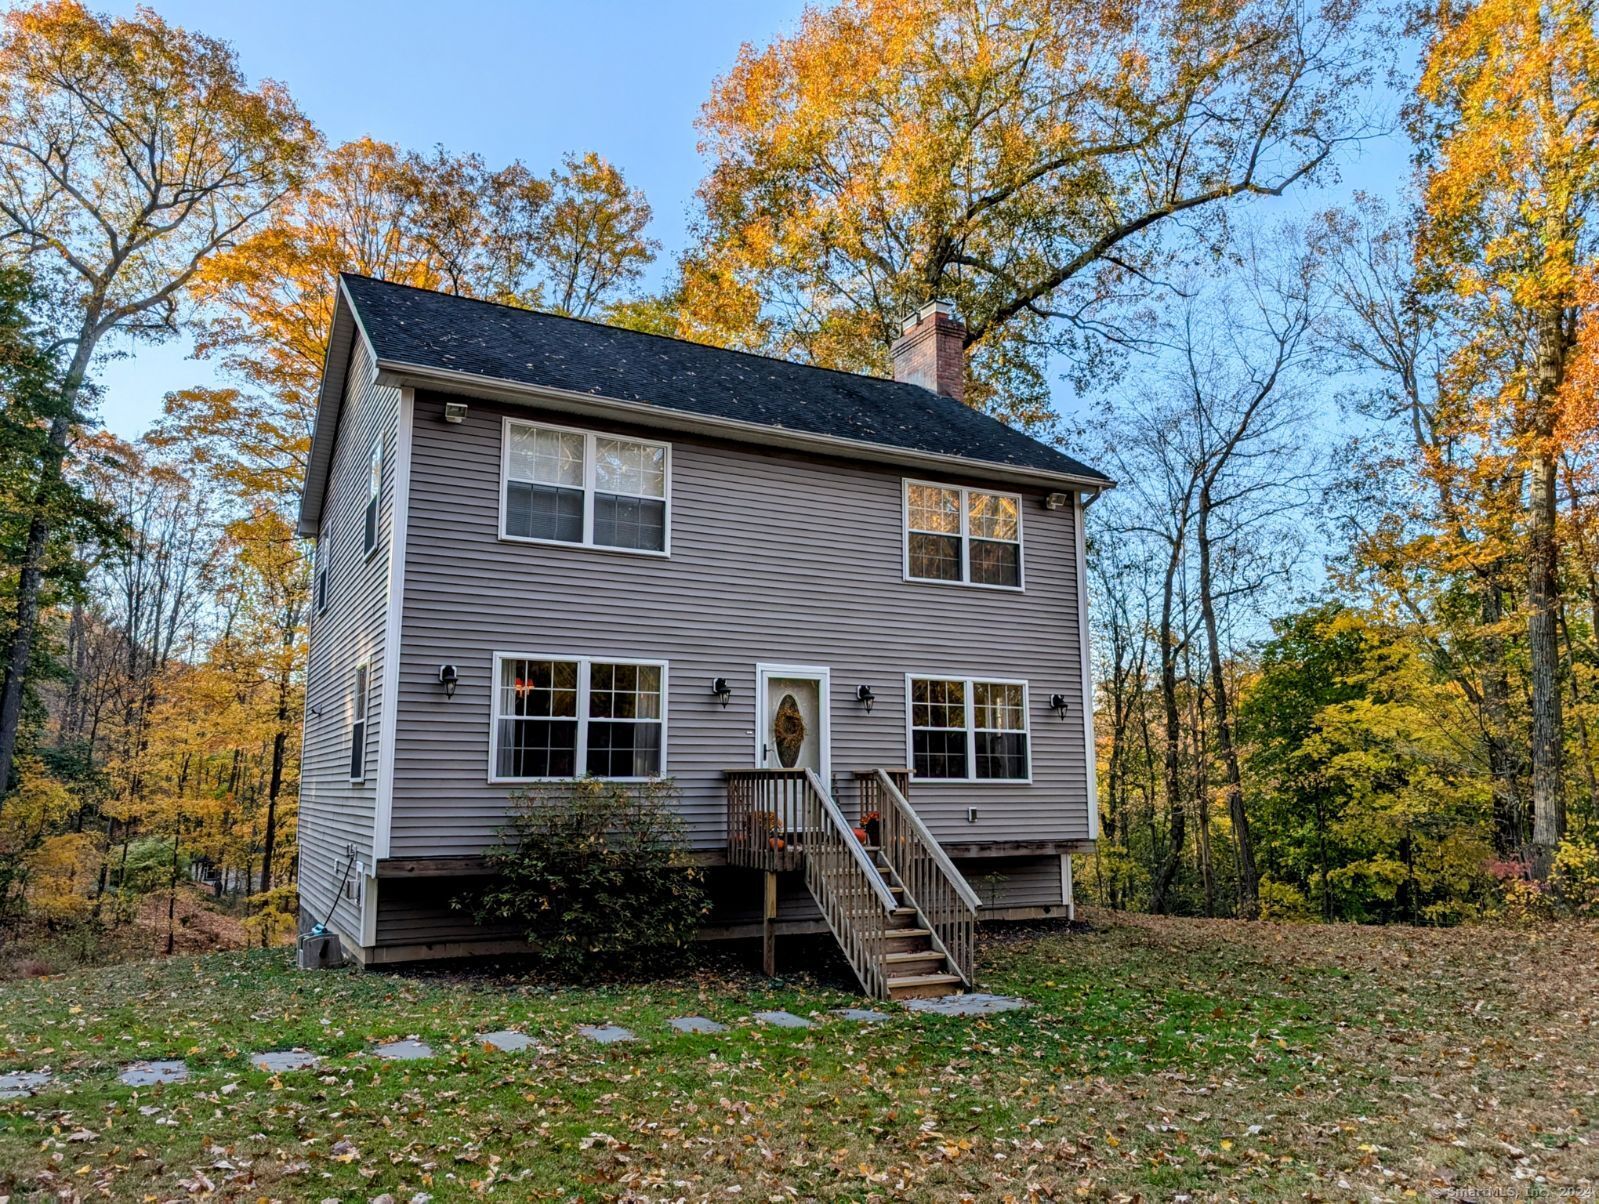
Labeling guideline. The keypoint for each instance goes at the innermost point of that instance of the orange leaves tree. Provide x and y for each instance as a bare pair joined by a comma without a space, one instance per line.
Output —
1508,122
130,151
572,240
1030,160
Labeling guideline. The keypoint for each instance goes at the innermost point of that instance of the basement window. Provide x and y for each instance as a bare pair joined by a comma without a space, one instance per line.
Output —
558,718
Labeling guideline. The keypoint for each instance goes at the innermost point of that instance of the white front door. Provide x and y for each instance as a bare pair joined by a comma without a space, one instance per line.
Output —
792,718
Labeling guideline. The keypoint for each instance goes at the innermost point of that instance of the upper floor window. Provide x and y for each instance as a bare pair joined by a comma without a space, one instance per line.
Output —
965,730
963,535
374,489
557,717
577,487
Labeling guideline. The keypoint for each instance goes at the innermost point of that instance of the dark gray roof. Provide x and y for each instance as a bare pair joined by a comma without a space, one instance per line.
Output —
438,330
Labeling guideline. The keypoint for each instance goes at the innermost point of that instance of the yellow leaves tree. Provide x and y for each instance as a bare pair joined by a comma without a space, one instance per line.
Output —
1508,118
1026,159
130,152
572,240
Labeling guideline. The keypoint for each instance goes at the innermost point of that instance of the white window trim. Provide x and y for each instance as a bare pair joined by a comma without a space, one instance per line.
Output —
583,717
374,502
965,538
971,728
362,667
589,467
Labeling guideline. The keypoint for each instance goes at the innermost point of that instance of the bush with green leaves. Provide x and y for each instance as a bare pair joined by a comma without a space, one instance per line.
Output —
597,877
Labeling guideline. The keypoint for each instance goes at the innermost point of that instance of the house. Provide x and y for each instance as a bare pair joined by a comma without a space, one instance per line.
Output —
548,547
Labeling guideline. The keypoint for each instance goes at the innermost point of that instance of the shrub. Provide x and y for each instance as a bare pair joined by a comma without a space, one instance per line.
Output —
1574,877
1283,901
596,877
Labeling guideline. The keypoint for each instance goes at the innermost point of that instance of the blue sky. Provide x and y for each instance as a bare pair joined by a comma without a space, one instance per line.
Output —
526,81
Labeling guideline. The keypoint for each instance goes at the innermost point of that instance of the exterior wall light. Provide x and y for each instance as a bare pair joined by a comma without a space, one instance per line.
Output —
455,411
864,696
1058,703
722,690
1057,501
449,678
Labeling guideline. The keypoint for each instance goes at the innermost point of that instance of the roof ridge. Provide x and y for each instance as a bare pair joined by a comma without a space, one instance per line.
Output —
650,334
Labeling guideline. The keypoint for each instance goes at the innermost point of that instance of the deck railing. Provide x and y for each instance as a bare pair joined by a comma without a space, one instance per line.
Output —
785,819
932,884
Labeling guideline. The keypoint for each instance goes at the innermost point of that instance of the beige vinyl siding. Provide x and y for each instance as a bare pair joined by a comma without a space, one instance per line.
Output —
1002,882
336,813
776,558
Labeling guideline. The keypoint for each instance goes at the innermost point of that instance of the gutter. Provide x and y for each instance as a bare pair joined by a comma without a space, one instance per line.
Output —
400,374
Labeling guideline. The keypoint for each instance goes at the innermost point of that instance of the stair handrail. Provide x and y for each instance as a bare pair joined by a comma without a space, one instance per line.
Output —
847,887
942,897
847,835
936,850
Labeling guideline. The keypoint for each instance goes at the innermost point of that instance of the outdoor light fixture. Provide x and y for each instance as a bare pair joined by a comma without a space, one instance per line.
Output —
455,411
1057,501
1057,703
449,677
722,690
864,695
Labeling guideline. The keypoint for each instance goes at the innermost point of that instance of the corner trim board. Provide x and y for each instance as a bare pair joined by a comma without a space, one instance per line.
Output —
1090,751
400,506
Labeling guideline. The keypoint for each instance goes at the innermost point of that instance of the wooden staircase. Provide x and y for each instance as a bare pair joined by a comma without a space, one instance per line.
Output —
913,965
901,912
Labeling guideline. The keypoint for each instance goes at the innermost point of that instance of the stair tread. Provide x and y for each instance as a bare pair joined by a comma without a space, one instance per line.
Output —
912,955
921,980
895,934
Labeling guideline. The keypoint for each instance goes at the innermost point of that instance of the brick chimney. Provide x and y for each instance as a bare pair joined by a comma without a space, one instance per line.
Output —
930,352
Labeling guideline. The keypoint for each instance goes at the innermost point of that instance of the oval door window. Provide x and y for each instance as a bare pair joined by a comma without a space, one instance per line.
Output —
788,732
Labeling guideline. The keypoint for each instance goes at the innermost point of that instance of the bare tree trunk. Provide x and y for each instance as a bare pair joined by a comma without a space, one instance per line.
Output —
1509,810
30,579
1543,590
1248,879
1166,872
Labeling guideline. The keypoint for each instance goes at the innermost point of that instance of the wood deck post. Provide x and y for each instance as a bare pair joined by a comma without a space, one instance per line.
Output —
769,926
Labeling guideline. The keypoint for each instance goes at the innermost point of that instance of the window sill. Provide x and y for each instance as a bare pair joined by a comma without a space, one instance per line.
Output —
1027,781
1007,589
494,781
653,553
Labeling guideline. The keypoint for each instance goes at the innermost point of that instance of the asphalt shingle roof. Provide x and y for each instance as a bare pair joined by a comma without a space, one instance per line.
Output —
442,331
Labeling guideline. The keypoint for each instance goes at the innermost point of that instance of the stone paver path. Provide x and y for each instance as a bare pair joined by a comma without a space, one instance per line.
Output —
22,1083
606,1034
507,1041
782,1019
148,1074
975,1004
863,1015
697,1024
404,1051
281,1061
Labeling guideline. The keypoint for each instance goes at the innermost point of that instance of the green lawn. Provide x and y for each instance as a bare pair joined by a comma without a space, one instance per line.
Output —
1220,1059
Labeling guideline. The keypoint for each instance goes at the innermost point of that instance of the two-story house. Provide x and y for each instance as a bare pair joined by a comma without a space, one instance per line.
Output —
547,547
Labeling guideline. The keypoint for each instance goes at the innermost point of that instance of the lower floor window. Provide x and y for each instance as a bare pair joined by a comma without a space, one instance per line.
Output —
965,729
559,718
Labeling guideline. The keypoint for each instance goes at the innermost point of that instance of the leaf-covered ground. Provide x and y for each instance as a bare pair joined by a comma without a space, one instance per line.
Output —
1218,1059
